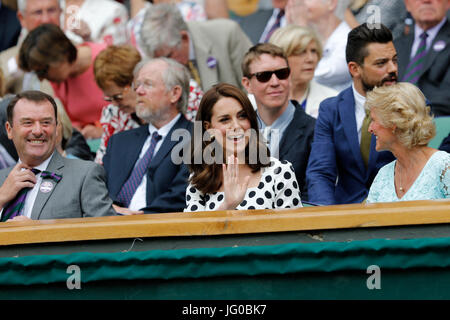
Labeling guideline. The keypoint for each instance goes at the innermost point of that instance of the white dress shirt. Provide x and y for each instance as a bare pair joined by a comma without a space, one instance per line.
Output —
139,200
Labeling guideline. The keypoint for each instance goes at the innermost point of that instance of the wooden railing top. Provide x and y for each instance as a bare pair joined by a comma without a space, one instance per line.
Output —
226,222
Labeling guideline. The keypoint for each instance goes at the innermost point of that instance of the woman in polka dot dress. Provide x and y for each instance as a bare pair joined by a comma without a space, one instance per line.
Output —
249,178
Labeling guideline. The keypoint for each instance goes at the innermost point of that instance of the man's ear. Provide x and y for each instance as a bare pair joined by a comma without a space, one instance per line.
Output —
8,127
21,19
354,69
246,84
332,5
175,94
184,35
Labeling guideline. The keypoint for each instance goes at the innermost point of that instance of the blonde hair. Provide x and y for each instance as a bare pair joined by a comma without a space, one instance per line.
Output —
294,40
403,106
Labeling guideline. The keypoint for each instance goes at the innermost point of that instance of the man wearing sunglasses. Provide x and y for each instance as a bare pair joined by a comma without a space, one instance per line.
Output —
286,127
343,161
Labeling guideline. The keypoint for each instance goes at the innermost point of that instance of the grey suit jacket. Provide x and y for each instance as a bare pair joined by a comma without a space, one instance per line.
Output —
223,44
434,78
80,193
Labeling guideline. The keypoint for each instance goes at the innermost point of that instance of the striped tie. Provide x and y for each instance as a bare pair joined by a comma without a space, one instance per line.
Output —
416,64
15,206
129,188
275,26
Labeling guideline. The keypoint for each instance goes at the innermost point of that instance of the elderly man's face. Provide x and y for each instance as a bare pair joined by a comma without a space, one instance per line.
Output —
427,13
154,101
33,131
38,12
178,53
317,9
280,4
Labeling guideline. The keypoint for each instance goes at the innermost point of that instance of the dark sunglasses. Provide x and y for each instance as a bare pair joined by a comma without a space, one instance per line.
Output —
265,76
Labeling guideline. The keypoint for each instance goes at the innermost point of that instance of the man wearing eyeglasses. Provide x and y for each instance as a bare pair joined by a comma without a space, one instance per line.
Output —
286,127
31,14
141,176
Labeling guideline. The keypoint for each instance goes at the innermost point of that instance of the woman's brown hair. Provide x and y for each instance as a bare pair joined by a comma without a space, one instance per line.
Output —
207,178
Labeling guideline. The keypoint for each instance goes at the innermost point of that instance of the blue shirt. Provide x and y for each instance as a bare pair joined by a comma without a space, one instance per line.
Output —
274,133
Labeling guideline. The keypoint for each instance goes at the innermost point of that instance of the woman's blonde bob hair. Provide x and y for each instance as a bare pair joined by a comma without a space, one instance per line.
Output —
403,107
294,40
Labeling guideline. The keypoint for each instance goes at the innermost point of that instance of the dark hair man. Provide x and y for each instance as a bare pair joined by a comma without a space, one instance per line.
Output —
343,160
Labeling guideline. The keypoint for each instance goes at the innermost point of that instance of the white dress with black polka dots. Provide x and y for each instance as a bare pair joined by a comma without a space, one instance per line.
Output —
277,189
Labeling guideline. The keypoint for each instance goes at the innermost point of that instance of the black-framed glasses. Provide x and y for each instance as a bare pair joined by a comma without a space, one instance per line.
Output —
116,97
265,76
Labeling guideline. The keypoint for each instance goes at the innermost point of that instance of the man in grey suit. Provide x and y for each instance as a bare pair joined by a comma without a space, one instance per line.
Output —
43,184
212,50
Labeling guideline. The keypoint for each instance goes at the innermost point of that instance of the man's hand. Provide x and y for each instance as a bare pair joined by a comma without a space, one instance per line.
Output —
126,211
19,218
20,177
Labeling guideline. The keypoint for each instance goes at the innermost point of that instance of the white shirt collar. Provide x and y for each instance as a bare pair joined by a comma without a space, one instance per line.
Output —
43,166
432,33
360,100
164,130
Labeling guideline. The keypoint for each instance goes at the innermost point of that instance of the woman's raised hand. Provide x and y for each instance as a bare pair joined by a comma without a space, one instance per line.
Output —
234,190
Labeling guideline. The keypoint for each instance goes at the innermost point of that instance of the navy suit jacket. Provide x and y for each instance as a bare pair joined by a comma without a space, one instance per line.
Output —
166,181
9,28
295,145
434,80
336,172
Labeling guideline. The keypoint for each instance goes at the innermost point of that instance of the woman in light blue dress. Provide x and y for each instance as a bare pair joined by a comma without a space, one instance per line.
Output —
402,124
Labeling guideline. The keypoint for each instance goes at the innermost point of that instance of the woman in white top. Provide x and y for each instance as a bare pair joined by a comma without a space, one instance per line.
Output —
303,49
230,164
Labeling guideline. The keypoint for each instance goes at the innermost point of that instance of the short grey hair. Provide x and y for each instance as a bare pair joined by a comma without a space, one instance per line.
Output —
175,75
161,27
22,5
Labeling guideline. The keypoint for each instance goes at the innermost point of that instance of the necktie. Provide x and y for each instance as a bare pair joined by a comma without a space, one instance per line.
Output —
194,72
415,66
129,188
275,26
14,207
366,137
